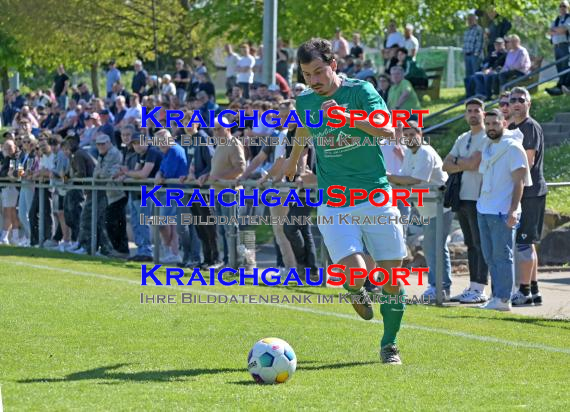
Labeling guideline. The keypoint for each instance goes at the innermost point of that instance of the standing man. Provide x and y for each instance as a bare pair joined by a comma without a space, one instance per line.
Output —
504,167
113,76
464,158
533,200
340,44
231,61
245,70
181,81
354,167
498,27
60,86
411,43
472,46
139,79
560,38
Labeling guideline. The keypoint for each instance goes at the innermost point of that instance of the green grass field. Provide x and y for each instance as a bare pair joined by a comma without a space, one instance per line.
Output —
75,337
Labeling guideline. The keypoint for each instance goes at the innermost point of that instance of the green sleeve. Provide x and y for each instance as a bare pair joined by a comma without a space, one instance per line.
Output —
369,99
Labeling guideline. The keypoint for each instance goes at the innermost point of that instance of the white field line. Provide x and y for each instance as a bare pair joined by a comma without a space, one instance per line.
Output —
441,331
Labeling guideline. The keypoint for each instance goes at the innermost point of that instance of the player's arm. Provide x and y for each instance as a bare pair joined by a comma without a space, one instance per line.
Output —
293,160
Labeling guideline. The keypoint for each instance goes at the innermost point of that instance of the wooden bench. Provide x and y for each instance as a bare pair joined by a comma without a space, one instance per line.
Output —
435,74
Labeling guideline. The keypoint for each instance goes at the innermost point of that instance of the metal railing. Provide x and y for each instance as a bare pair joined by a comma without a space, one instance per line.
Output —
435,194
510,84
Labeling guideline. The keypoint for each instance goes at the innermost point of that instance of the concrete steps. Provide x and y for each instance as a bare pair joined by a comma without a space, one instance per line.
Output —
557,132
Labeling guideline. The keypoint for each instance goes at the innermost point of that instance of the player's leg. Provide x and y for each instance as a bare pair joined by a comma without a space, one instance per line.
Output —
392,310
360,301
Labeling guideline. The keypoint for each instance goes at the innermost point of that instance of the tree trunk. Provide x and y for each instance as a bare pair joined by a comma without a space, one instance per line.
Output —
95,79
5,80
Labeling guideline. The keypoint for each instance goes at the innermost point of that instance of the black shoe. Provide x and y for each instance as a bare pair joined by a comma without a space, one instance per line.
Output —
362,304
390,355
553,91
537,298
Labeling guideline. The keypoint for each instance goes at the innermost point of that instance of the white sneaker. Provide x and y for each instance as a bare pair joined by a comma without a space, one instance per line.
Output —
50,244
171,258
430,294
80,251
519,299
15,241
473,296
71,246
497,304
24,242
457,298
4,241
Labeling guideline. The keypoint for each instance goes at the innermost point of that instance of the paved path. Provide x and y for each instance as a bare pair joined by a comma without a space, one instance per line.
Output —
554,286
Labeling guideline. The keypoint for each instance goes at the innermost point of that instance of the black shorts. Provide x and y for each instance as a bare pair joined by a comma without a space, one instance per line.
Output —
532,218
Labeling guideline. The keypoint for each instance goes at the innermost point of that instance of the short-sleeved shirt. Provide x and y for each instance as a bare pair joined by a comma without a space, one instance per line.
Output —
396,90
246,61
59,83
465,146
411,43
533,140
498,198
427,166
345,163
174,164
152,155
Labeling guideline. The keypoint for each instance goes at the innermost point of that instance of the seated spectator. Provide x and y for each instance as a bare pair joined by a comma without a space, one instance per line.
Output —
389,55
422,165
384,86
517,64
82,93
412,72
134,112
167,89
480,83
402,95
205,85
367,70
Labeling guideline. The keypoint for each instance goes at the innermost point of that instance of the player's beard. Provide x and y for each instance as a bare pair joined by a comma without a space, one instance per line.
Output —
497,134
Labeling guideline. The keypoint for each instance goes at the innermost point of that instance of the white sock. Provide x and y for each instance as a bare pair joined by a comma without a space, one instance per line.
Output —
479,287
4,236
15,235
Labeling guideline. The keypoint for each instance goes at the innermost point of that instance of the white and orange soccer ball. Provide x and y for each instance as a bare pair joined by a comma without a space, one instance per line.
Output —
271,360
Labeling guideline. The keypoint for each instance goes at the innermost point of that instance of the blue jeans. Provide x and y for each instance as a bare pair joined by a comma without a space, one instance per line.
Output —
62,102
140,232
24,206
472,64
191,245
497,240
431,249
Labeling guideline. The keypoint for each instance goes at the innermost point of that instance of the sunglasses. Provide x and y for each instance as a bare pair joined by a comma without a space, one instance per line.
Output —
517,100
503,104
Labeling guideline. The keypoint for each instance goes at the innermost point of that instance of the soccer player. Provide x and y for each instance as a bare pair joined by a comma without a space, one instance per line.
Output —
352,166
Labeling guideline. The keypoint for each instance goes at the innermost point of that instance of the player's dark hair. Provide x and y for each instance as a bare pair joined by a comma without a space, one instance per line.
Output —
495,112
315,49
412,124
476,101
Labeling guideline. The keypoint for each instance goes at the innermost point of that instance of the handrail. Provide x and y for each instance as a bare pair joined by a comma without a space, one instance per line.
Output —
518,79
540,69
493,102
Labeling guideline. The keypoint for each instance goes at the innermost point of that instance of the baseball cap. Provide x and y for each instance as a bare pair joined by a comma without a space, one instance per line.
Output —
499,40
102,138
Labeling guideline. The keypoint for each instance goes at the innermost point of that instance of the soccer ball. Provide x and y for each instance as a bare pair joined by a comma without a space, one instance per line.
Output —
271,360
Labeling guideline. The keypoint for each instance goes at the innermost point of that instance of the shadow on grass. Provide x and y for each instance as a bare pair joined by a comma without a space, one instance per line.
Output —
109,373
545,323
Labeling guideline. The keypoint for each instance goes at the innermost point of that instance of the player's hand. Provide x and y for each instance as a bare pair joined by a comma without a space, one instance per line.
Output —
202,179
182,179
326,105
290,169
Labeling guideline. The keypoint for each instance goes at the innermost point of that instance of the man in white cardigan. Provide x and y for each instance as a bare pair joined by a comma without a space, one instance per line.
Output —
505,171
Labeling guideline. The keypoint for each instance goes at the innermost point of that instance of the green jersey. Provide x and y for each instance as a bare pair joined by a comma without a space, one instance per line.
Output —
345,162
